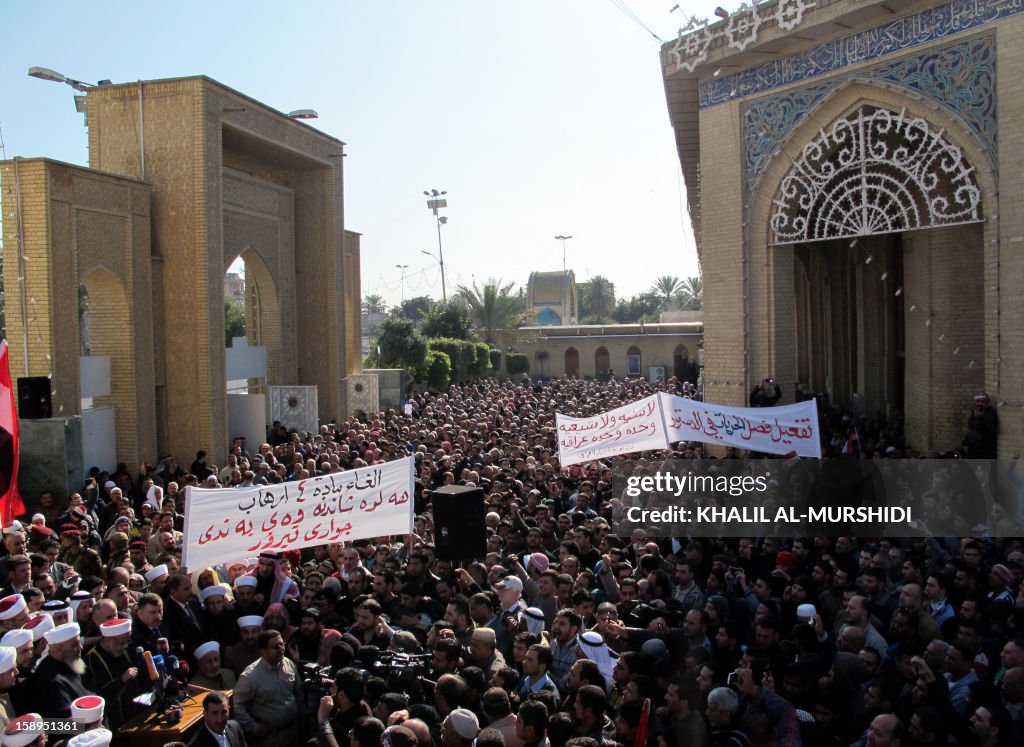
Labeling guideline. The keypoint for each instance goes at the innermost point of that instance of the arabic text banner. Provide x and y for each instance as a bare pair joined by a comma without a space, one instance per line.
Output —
769,430
231,523
634,427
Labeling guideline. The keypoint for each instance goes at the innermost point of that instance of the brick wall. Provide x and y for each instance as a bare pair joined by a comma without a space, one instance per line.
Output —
82,227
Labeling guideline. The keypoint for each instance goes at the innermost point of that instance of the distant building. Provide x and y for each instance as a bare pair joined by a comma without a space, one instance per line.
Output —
234,287
593,351
552,297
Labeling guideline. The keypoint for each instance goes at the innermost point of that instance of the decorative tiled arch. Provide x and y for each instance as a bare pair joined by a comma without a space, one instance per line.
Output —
960,77
874,172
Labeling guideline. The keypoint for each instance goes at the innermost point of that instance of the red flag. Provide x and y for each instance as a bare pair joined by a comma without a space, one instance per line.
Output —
11,505
640,740
852,442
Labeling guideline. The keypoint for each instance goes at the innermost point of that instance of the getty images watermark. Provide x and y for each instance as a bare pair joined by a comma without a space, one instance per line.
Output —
869,498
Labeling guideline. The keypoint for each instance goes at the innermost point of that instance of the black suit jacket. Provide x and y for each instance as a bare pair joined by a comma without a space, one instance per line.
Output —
180,627
203,737
146,637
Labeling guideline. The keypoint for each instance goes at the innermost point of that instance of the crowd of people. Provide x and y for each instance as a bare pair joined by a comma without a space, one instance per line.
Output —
563,635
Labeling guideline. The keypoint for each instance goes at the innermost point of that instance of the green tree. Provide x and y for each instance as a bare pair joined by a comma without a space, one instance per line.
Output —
597,298
372,326
690,296
373,304
641,307
400,345
447,320
234,320
665,288
492,307
413,309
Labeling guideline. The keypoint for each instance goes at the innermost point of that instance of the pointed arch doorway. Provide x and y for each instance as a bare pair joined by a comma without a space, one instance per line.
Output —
880,222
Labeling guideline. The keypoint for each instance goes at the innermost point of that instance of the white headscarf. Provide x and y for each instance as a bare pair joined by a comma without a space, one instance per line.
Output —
155,498
597,651
534,620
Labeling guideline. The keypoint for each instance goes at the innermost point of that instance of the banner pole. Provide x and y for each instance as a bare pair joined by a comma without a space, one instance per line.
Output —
185,544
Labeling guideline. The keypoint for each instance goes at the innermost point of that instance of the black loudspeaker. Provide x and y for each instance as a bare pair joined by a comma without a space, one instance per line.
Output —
459,529
34,402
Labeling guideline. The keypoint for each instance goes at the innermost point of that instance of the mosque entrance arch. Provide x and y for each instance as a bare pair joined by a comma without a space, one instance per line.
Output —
876,234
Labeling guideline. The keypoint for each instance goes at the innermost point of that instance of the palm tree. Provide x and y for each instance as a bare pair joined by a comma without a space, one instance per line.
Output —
492,307
597,297
690,295
665,287
373,304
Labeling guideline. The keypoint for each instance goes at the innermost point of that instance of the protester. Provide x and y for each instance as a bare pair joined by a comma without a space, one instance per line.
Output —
562,631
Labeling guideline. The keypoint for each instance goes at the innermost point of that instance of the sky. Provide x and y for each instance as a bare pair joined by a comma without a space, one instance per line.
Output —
539,118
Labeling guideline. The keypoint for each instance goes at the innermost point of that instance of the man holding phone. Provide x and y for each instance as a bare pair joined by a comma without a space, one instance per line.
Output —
765,394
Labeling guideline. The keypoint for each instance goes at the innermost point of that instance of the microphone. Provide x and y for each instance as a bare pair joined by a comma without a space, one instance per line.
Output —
139,657
159,685
172,689
150,666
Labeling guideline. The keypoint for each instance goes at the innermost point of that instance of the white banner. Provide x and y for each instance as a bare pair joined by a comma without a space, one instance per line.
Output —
770,430
635,427
230,523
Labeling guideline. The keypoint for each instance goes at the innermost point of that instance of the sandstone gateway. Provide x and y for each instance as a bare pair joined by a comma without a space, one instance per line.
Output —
185,176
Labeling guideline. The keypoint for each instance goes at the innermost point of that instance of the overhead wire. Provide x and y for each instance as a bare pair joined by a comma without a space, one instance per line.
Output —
627,11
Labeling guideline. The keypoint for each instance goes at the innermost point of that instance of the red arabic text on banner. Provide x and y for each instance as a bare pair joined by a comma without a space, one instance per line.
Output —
638,426
770,430
229,523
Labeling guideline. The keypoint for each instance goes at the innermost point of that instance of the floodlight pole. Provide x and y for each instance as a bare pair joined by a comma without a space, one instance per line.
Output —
403,268
563,239
434,203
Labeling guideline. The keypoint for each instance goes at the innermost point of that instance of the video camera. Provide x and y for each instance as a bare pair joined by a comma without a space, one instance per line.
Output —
399,667
316,680
403,672
642,615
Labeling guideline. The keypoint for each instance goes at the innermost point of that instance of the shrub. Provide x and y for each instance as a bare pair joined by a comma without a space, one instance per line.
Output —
480,354
438,367
517,363
453,349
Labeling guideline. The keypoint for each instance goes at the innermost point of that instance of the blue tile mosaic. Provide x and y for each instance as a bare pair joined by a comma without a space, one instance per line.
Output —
901,34
960,77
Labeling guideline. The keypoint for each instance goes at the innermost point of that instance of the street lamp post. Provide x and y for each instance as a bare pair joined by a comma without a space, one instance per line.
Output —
563,239
45,73
403,268
436,259
436,201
